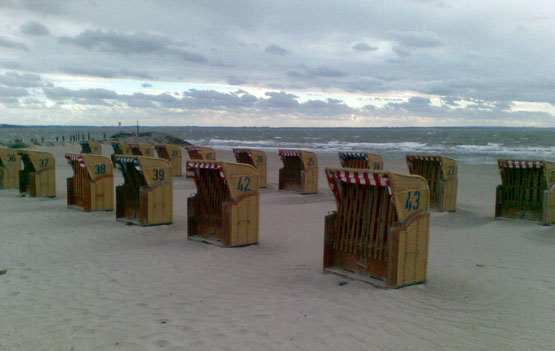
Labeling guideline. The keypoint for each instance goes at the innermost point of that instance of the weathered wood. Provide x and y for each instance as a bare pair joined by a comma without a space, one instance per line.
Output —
358,236
146,197
255,158
92,186
10,165
38,176
526,190
225,209
299,172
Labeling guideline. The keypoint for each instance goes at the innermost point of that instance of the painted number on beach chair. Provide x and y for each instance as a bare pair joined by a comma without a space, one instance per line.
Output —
99,169
208,155
174,153
377,165
244,186
311,161
158,174
259,159
409,205
450,170
11,158
44,162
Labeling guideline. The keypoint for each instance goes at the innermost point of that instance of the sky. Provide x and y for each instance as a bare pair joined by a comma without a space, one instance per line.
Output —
364,63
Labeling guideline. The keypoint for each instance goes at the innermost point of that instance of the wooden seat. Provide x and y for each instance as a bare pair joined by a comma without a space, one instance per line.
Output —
441,174
360,160
92,186
527,190
38,176
146,197
299,172
255,158
225,209
379,233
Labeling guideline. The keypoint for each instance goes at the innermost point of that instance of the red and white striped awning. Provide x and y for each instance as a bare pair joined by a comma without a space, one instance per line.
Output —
520,164
289,153
75,158
364,178
423,157
192,148
239,151
192,166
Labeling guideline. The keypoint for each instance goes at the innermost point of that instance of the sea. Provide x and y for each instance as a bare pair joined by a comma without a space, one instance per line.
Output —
476,145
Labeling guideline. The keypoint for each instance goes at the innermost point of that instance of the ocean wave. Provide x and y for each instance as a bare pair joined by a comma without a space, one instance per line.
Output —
481,154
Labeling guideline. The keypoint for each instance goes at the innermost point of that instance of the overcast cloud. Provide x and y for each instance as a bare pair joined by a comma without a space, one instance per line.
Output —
313,63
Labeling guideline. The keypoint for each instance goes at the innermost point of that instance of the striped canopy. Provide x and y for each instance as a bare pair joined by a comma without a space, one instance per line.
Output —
520,164
192,166
289,153
349,155
75,158
133,160
364,178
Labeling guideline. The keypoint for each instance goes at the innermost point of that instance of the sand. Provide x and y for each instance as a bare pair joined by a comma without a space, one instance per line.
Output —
82,281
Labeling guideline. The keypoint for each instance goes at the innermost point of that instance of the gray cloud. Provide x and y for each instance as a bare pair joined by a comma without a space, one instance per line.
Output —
34,28
275,50
146,85
417,39
110,41
128,44
105,72
364,47
7,43
13,92
26,80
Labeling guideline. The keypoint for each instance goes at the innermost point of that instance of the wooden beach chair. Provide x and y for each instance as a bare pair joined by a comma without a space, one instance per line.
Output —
441,174
10,165
360,160
225,209
254,158
527,190
91,147
141,149
92,186
201,153
120,148
379,233
174,155
146,197
38,176
299,172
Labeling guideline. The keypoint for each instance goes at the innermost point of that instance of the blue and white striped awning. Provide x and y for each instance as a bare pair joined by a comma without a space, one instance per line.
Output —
133,160
351,155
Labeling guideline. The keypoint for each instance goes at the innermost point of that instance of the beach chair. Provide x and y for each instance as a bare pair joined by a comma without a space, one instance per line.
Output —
379,233
38,176
299,172
10,165
201,153
174,155
146,197
527,190
92,186
254,158
141,149
225,209
441,174
120,148
361,160
91,147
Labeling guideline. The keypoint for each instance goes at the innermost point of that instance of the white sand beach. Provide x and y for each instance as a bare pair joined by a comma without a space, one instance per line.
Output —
82,281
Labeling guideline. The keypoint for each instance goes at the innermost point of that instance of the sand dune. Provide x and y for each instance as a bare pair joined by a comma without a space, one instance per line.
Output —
82,281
